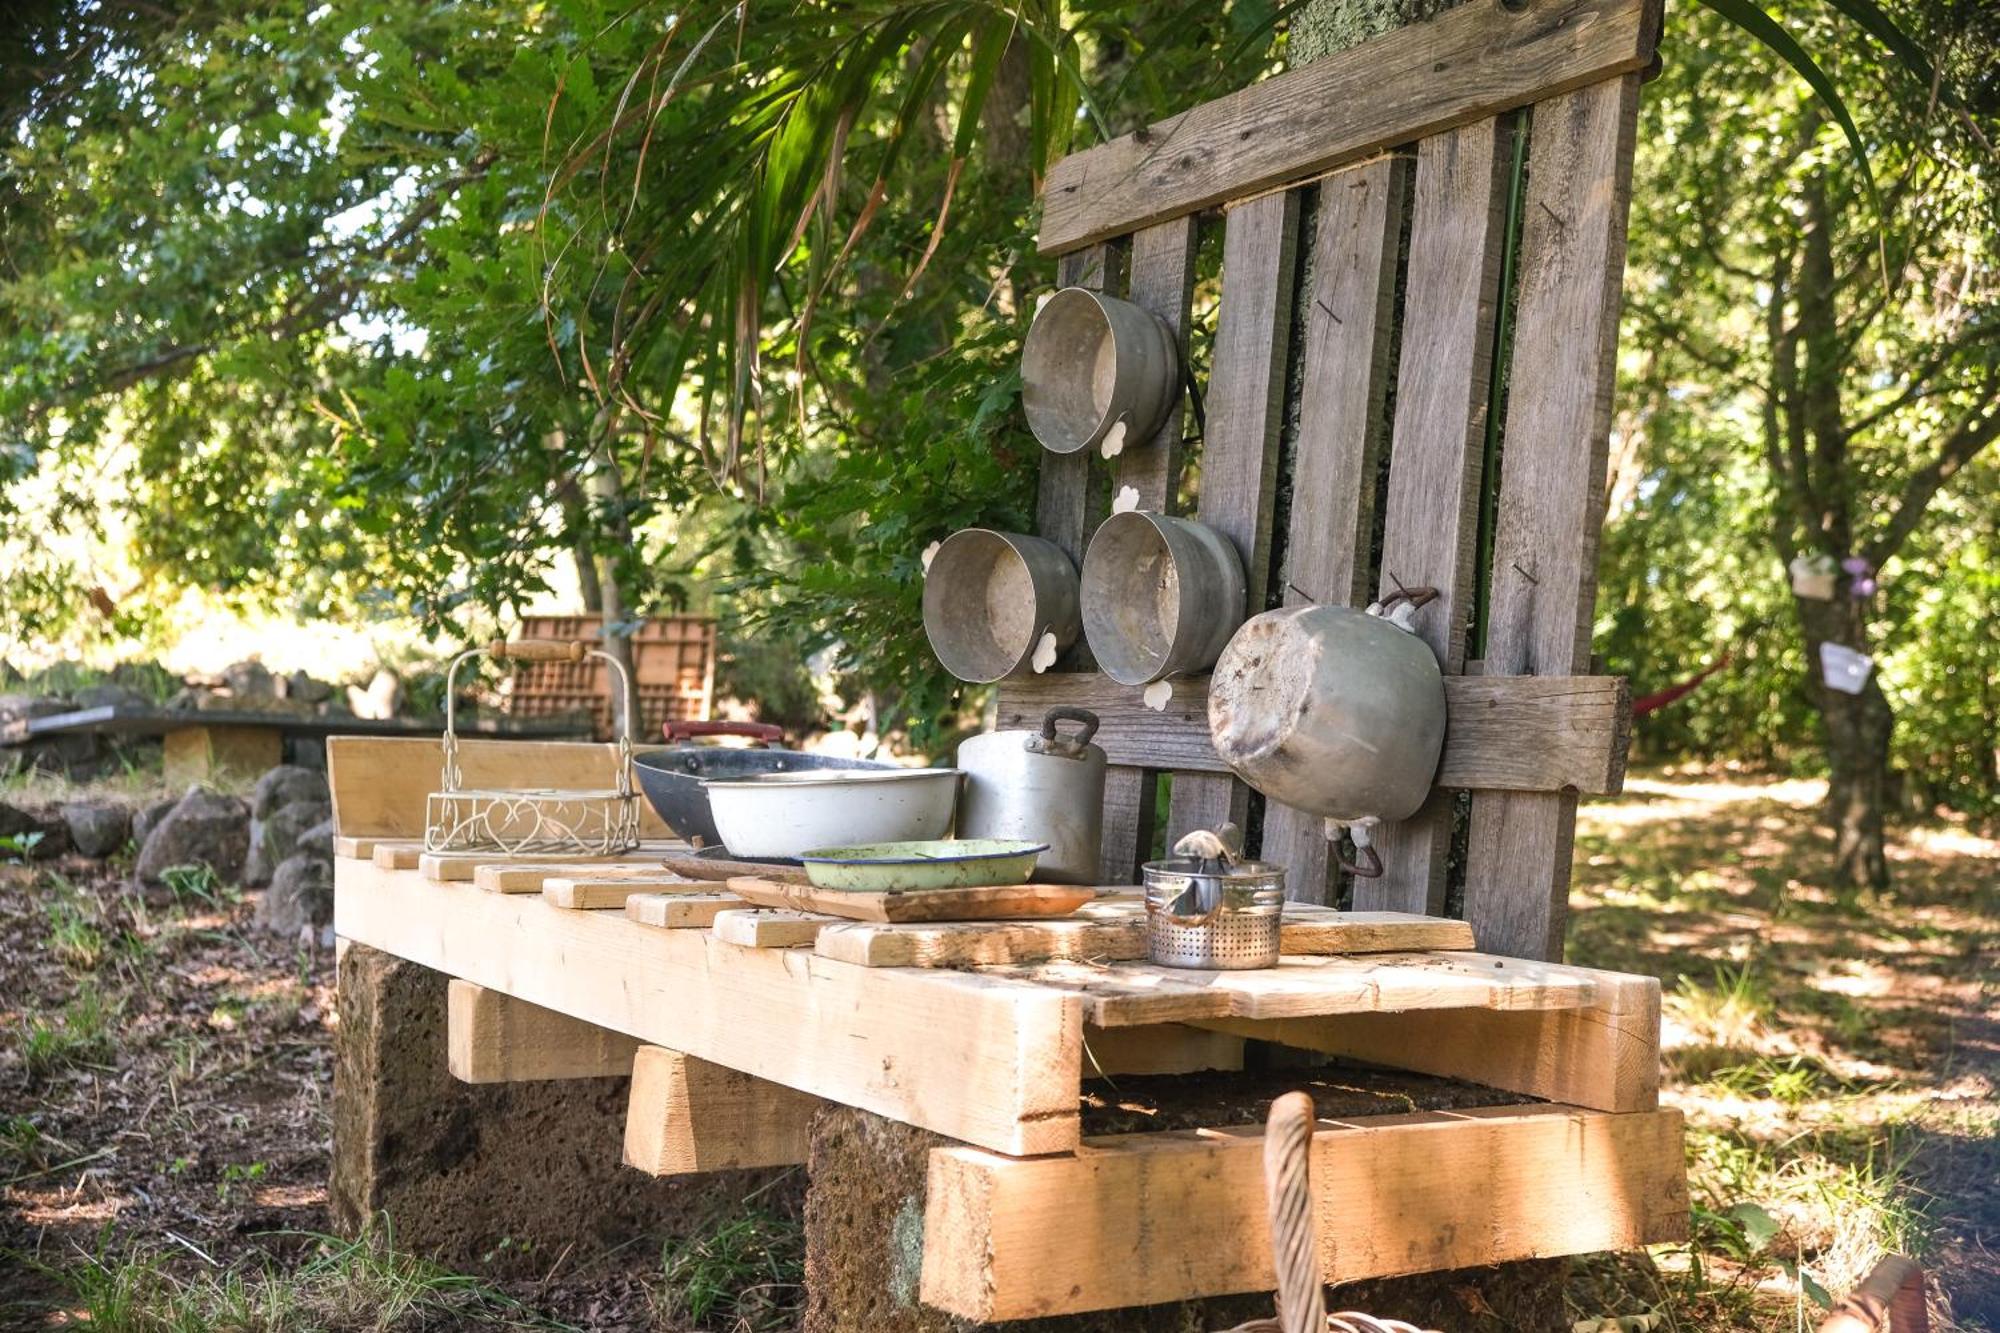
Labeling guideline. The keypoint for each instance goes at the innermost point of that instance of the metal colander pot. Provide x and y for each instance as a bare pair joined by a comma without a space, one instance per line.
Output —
1213,914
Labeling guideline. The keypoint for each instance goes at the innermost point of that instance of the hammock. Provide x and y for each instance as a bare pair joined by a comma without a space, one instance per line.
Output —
1673,693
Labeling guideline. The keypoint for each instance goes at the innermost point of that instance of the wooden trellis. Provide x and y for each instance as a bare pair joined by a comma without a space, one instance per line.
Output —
1411,136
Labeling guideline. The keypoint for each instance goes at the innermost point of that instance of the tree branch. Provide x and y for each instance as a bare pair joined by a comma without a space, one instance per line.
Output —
1965,444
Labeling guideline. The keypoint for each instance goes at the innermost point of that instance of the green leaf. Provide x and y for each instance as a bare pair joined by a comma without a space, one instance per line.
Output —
1904,47
1772,34
1758,1225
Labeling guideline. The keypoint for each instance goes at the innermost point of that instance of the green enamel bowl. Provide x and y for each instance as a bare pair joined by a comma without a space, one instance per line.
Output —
947,863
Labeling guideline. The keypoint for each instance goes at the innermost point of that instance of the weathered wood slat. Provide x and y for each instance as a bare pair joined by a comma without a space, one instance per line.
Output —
1580,726
1239,455
1552,482
1145,1218
1458,218
680,911
1348,319
1468,64
1162,280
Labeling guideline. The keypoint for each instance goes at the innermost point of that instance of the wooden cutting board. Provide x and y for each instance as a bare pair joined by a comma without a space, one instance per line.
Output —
720,872
999,903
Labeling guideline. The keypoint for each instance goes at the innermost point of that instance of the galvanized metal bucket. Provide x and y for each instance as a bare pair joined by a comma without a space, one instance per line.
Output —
991,597
1096,370
1161,596
1212,915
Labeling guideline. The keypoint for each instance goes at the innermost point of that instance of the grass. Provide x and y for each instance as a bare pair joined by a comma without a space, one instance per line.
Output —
341,1287
746,1267
1806,1036
77,1034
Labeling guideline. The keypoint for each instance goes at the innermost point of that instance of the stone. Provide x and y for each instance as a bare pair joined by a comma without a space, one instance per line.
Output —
277,838
204,828
97,828
300,898
111,695
147,817
458,1167
305,688
250,680
40,836
20,707
317,840
287,784
382,699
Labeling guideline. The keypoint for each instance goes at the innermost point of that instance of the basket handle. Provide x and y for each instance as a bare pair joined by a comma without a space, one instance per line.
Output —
1288,1133
538,650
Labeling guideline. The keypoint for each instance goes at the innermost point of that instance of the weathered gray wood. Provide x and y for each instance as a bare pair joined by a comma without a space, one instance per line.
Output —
1580,726
1552,483
1349,323
1163,282
1469,64
1443,381
1239,456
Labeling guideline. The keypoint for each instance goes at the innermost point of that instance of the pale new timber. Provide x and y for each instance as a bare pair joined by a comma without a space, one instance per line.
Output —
866,1037
687,1115
1146,1218
495,1038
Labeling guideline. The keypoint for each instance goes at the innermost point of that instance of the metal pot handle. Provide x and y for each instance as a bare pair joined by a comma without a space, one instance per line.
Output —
1064,747
758,731
1368,866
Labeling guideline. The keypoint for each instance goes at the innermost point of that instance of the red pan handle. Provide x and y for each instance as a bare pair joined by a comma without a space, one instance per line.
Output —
757,731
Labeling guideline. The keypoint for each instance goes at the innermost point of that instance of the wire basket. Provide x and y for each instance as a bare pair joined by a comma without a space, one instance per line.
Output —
535,820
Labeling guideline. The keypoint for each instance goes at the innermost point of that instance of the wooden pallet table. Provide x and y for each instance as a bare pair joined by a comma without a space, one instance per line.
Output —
1434,220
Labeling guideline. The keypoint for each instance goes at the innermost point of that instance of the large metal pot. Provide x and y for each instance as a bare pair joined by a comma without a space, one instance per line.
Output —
672,778
990,597
1096,370
1044,786
1331,710
1160,596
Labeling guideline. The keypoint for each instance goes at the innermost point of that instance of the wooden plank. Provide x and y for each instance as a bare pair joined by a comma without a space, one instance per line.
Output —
534,876
1115,931
840,1032
594,893
1239,455
770,927
381,784
1349,321
1469,64
1581,726
1431,520
1551,501
1147,1218
359,849
494,1038
679,911
1129,994
463,867
219,753
714,870
1167,1048
687,1115
981,904
397,855
1604,1055
1162,280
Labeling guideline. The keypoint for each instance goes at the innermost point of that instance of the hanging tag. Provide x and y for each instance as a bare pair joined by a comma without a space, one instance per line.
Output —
1844,669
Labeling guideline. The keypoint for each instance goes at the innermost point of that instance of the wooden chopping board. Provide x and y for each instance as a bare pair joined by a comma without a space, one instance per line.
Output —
721,872
999,903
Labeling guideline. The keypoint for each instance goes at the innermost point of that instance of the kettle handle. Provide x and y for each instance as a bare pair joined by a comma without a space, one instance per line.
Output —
1083,717
1367,865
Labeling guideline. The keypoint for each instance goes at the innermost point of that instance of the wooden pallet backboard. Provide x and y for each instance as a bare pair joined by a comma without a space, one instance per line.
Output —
1362,204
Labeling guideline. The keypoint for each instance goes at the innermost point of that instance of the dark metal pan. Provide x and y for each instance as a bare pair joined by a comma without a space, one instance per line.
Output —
672,778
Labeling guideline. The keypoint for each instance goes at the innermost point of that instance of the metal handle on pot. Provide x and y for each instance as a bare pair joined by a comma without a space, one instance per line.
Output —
1064,747
758,731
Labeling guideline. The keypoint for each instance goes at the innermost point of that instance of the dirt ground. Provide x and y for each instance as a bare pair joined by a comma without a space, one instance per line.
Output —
164,1086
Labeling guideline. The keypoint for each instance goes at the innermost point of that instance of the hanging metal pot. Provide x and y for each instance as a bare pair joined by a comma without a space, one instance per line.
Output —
1332,710
1044,786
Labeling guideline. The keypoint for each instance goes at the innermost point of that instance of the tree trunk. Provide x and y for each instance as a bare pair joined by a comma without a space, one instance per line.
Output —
1321,27
1858,730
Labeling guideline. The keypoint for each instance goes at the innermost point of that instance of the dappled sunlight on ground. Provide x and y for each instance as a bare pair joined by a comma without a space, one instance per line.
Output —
1837,1054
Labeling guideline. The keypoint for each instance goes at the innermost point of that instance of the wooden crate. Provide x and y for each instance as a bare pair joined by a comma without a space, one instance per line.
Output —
1315,178
673,660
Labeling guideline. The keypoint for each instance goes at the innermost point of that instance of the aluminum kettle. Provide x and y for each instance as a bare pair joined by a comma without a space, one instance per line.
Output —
1332,710
1047,786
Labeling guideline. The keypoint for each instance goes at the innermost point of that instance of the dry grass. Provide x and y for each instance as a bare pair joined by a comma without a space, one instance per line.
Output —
1838,1059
